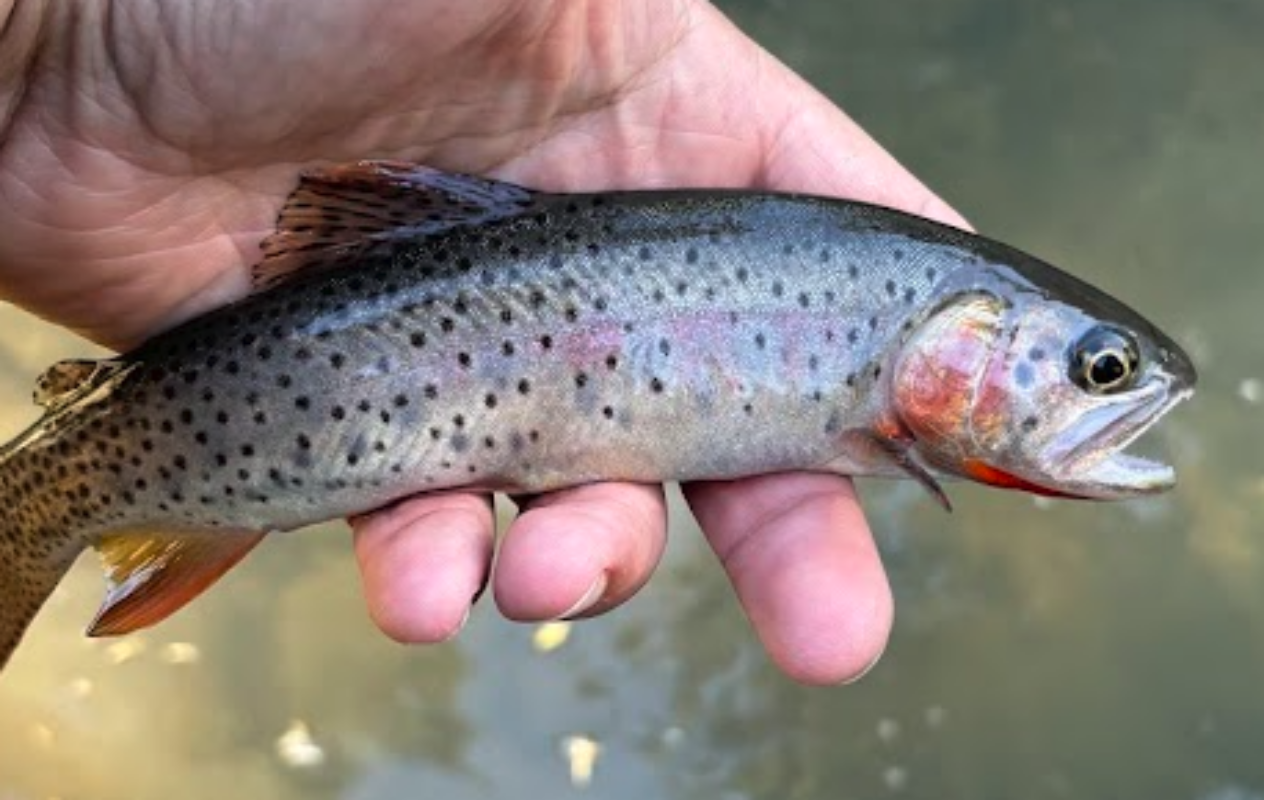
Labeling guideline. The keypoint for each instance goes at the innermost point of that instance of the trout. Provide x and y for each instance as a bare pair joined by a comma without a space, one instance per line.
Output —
415,331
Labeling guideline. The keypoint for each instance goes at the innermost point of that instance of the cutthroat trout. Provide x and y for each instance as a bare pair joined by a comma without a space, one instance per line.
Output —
415,331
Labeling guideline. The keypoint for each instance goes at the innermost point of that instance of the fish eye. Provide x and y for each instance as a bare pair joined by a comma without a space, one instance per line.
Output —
1104,361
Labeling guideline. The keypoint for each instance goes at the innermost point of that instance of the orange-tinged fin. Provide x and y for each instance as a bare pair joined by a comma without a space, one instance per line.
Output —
149,577
986,473
338,213
897,449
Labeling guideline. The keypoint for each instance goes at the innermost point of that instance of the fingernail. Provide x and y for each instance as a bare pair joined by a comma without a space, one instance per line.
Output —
460,625
868,668
589,599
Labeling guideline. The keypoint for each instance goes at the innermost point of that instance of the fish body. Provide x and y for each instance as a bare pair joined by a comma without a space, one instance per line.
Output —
417,331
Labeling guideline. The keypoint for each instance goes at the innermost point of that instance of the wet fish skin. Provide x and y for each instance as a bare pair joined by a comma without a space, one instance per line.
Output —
425,332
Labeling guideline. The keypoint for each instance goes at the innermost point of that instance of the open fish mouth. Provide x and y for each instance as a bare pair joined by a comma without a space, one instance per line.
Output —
1098,468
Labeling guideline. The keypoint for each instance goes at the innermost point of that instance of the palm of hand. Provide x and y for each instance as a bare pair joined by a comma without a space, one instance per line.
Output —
152,148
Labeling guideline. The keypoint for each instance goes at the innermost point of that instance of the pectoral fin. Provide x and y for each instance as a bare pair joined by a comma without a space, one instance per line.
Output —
151,576
898,451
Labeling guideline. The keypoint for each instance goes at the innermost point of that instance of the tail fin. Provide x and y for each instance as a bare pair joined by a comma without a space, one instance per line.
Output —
30,569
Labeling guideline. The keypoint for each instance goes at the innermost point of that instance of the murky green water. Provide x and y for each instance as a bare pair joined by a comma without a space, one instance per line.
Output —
1041,651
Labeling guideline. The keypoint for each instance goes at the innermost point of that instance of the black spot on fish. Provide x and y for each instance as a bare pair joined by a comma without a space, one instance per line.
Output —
664,347
338,413
460,442
524,387
897,254
581,380
691,255
656,385
446,324
644,253
804,300
778,289
834,424
1024,375
464,360
853,271
1036,354
490,400
760,341
546,342
302,403
1030,424
890,288
400,400
910,294
612,362
417,339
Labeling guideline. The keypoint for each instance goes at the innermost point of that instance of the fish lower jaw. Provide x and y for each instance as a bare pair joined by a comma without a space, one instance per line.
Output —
1120,475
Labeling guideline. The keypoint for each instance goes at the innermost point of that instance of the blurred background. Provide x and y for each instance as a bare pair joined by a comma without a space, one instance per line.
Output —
1042,649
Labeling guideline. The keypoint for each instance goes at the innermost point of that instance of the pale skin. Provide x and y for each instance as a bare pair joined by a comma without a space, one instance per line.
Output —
147,145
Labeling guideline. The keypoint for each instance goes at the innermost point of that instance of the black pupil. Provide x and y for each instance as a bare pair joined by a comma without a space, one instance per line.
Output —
1107,369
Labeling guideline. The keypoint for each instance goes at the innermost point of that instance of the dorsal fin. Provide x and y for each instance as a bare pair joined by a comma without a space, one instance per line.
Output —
63,381
339,212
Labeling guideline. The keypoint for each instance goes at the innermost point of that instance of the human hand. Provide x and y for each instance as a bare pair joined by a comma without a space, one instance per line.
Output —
147,147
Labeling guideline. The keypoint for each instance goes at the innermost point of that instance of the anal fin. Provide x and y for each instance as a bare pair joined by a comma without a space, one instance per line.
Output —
151,576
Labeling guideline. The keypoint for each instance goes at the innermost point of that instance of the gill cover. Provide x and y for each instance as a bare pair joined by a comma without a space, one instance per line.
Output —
937,377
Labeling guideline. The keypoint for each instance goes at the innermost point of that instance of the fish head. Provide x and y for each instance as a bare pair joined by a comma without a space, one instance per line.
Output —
1038,392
